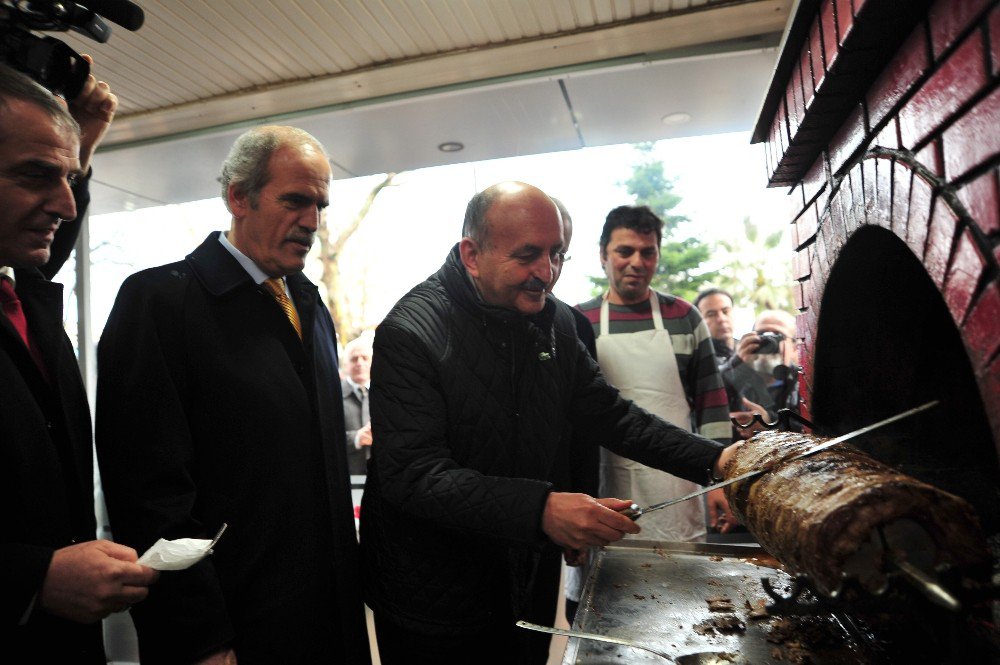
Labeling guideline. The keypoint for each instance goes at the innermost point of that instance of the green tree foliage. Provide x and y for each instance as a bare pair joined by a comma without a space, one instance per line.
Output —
649,186
679,272
750,276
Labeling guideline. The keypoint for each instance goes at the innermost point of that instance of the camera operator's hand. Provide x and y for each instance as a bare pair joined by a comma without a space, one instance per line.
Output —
94,109
746,349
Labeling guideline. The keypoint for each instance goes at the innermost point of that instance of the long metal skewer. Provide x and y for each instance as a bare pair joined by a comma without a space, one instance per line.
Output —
927,585
635,512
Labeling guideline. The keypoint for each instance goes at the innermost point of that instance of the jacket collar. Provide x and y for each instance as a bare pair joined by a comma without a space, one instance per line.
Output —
216,268
220,273
463,293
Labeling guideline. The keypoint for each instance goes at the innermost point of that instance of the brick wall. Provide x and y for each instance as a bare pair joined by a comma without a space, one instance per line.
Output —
911,144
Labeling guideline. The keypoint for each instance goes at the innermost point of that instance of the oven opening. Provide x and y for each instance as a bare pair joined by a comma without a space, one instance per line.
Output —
886,342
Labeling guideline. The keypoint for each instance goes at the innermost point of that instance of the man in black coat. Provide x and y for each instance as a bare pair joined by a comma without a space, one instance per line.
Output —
481,393
57,581
219,402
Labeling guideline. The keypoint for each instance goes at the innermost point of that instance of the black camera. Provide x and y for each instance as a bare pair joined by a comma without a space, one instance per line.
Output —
47,60
770,342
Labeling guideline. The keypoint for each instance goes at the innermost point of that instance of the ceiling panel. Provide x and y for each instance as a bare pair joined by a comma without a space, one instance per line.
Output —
521,117
193,54
383,82
516,119
721,93
246,45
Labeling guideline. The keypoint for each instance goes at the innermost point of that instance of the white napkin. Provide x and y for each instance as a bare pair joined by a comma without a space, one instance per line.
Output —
176,554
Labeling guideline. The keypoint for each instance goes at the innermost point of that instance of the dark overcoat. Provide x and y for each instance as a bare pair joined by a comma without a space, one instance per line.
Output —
210,410
46,477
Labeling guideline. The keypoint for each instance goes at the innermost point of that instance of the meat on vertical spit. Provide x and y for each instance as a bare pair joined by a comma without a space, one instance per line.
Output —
829,515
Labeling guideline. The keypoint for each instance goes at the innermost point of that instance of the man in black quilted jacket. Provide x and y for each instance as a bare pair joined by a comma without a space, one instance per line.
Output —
478,383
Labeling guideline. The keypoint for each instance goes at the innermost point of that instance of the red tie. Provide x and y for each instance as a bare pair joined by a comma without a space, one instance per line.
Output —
12,308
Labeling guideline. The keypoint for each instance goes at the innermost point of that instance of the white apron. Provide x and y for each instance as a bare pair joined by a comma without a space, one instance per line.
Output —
642,365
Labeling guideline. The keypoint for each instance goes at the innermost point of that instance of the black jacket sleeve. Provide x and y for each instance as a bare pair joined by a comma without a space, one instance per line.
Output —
22,575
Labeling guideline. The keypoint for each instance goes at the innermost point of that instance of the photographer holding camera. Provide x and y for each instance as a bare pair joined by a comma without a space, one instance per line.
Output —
767,356
58,581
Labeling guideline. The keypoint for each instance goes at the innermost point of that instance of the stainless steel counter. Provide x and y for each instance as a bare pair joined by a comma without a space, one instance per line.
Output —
656,594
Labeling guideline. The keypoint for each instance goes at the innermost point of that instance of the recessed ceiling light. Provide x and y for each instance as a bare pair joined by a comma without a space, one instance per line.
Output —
678,118
451,146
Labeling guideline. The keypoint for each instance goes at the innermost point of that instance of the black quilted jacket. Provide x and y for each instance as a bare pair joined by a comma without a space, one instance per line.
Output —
473,408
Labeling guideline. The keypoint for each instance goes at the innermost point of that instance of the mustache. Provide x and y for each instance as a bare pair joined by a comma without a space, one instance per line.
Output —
534,284
304,238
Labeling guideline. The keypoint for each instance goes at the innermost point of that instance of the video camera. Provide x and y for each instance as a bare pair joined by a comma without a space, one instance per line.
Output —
47,60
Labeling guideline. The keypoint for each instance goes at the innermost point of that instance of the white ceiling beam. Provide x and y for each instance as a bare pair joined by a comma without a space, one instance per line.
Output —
581,48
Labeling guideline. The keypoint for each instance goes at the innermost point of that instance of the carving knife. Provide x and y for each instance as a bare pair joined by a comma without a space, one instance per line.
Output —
635,512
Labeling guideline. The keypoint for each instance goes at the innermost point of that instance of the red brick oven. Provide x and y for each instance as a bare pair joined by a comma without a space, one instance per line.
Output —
883,119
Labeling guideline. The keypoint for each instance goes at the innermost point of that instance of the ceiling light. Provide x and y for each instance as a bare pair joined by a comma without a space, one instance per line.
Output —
678,118
451,146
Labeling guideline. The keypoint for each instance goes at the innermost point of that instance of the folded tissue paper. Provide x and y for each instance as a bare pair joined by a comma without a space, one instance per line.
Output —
178,554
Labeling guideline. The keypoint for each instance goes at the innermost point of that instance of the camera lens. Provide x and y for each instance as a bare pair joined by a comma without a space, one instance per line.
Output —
770,343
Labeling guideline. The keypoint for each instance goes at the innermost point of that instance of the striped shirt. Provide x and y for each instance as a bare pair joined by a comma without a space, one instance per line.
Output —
692,348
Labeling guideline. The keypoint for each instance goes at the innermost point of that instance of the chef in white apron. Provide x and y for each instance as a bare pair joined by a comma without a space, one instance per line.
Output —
642,365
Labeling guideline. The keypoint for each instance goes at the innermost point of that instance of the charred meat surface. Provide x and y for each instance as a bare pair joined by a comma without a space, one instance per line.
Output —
814,514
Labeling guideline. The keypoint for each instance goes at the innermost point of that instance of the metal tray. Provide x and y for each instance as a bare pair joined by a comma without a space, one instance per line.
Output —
656,593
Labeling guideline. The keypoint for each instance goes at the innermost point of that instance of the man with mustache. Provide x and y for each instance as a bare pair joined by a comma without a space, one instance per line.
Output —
57,581
481,397
219,402
657,350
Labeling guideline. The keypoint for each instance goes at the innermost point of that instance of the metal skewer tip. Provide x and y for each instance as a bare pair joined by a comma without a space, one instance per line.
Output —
218,535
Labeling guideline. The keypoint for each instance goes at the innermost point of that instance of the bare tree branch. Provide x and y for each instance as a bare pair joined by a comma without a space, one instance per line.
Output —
330,250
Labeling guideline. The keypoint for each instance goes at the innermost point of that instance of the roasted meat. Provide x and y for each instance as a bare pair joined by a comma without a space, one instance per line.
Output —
820,515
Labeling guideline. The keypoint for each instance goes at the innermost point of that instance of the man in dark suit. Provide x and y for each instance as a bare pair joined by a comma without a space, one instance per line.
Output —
218,402
57,581
357,418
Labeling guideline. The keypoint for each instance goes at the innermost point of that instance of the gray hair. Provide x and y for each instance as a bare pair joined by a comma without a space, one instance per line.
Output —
364,341
563,212
246,167
16,86
475,226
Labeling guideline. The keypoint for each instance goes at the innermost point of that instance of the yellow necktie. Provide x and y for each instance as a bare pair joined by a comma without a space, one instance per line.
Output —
277,288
